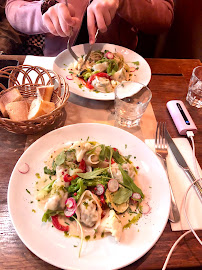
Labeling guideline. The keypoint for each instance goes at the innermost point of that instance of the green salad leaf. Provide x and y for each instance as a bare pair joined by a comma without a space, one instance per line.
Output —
118,157
122,195
93,174
129,183
49,171
77,186
112,67
50,213
60,159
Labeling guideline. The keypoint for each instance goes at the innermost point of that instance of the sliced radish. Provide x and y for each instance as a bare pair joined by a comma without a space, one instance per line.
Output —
145,208
24,168
136,196
69,77
109,55
132,69
113,185
70,207
70,203
69,213
99,189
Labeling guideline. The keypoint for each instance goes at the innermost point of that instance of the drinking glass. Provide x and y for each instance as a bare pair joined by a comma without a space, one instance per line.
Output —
131,101
194,95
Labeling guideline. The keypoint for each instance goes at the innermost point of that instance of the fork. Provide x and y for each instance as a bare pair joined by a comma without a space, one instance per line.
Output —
70,49
89,52
68,42
161,150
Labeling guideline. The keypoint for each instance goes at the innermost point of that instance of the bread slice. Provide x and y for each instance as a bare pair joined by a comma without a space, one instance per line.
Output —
18,110
10,96
40,107
45,92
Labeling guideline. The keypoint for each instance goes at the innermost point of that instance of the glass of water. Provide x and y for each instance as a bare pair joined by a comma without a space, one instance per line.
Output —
194,95
131,101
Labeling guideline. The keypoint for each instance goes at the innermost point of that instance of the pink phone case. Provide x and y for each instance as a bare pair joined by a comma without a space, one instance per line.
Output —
181,117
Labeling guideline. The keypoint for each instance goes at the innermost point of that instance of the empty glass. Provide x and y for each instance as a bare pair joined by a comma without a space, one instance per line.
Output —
131,101
194,95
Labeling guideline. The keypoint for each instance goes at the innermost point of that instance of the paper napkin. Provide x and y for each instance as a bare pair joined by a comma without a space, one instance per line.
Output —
180,183
42,61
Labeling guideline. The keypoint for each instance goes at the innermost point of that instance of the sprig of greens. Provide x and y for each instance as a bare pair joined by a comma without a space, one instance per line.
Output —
93,174
50,213
129,183
122,195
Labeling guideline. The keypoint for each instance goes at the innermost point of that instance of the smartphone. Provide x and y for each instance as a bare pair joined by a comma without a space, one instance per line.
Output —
6,63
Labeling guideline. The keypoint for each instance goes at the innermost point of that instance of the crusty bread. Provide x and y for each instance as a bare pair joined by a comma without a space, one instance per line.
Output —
18,110
40,107
45,92
10,96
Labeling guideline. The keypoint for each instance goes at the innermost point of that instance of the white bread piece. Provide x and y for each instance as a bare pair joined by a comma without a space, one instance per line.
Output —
18,110
10,96
45,92
40,107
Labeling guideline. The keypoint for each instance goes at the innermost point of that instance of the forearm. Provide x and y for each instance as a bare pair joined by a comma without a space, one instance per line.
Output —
25,16
150,16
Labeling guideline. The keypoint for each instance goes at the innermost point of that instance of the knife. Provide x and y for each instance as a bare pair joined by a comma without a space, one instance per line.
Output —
182,163
90,50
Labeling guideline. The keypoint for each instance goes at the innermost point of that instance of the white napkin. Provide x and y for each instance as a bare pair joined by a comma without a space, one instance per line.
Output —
41,61
180,183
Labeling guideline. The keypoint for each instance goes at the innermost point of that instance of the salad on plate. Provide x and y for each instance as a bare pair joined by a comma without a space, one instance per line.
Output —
102,72
90,190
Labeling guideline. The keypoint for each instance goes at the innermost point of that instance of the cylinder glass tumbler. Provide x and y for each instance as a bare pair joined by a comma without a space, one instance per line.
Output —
194,95
131,101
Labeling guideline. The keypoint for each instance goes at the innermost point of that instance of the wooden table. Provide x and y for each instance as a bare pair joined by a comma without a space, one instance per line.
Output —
169,81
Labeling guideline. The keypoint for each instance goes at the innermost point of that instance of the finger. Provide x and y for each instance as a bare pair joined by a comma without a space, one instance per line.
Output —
112,13
53,15
107,18
63,11
66,28
71,10
63,20
91,26
100,21
70,7
58,28
48,23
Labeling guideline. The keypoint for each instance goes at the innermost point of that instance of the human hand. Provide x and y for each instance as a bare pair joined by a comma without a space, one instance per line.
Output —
100,13
59,19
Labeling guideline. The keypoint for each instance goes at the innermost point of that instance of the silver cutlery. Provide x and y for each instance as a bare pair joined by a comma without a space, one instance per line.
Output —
90,50
70,49
182,163
162,151
68,42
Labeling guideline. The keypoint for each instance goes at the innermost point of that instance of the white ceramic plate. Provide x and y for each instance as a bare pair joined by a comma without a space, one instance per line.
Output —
51,245
62,61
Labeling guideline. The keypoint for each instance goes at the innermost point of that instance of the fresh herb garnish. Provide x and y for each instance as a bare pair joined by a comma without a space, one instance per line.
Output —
122,195
129,183
38,175
136,63
49,171
50,213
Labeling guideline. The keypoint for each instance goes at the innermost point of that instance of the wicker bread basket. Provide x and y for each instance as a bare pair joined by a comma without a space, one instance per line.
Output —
26,78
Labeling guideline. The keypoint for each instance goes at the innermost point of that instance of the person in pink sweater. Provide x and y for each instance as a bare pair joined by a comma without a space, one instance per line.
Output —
118,20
